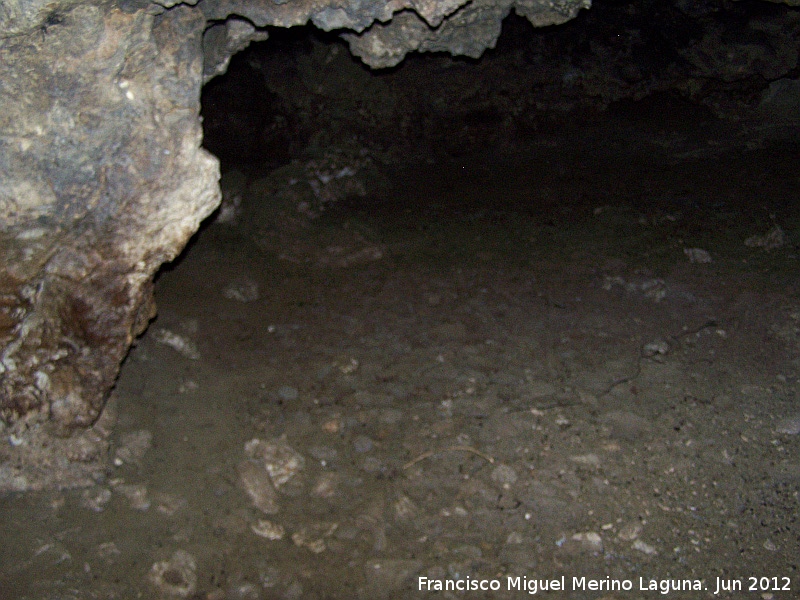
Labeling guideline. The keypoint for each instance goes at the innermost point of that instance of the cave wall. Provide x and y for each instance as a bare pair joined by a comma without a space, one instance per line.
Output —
102,181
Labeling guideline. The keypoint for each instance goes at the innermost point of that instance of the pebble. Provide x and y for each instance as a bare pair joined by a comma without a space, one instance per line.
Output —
187,386
698,255
242,591
267,529
504,475
256,482
587,460
404,508
774,238
245,290
657,347
176,576
107,550
362,444
327,485
168,504
177,342
589,540
630,531
136,494
789,426
312,536
279,459
644,547
515,537
287,393
95,498
332,426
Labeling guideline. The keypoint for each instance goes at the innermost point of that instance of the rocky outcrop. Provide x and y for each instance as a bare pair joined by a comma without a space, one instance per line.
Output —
385,32
467,32
102,179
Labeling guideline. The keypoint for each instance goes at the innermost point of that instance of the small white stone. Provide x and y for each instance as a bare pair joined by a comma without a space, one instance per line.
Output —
177,342
644,547
630,531
267,529
515,537
404,508
311,536
789,426
280,460
655,347
589,460
256,482
243,290
136,494
590,540
175,577
95,498
562,421
698,255
168,504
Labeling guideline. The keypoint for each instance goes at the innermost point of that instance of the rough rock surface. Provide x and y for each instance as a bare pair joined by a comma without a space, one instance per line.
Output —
468,32
102,179
223,40
385,32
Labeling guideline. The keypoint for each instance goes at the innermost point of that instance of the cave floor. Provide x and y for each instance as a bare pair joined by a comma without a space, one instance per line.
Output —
537,375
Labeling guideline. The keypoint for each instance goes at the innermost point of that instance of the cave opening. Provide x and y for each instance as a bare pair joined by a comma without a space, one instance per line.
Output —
469,320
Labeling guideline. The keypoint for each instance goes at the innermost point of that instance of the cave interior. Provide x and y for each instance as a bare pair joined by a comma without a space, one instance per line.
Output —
533,314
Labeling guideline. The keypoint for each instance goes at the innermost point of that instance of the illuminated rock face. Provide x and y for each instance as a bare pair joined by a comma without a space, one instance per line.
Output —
102,177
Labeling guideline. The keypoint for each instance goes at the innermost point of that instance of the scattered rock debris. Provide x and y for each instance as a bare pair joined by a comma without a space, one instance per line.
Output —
501,395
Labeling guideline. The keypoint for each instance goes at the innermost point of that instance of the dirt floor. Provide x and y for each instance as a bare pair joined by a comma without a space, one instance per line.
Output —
579,360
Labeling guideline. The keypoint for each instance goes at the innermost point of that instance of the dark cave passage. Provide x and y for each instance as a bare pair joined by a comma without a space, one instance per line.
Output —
621,82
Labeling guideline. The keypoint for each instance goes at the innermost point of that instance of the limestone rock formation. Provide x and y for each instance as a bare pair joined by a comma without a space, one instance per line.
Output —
224,39
386,31
467,32
102,179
